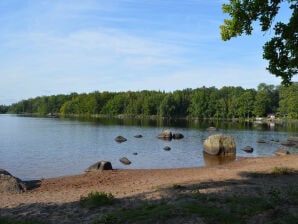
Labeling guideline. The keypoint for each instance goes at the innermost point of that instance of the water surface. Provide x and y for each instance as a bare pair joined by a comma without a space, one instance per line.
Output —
34,147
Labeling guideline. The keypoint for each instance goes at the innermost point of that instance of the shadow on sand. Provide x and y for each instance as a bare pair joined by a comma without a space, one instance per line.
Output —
255,198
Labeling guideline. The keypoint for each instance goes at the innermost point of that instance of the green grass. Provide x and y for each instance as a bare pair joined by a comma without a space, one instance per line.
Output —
211,208
153,213
286,219
4,220
247,205
96,199
192,203
281,171
293,194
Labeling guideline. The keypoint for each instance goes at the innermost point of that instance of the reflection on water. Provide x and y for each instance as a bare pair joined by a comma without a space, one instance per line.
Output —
211,160
192,123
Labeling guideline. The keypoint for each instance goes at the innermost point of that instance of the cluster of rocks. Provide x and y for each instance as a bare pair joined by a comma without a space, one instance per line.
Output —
217,149
121,139
224,146
106,165
291,142
168,135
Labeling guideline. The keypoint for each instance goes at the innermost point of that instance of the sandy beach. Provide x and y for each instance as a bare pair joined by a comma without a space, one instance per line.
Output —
53,198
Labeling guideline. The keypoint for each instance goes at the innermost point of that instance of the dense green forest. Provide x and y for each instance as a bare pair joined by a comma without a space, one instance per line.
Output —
3,109
226,102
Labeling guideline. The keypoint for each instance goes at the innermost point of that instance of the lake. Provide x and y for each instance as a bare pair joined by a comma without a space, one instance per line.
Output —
35,147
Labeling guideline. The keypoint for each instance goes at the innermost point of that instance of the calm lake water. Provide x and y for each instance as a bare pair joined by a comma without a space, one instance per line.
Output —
33,148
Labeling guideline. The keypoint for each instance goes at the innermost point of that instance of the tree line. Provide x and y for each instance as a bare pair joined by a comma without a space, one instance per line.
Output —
204,102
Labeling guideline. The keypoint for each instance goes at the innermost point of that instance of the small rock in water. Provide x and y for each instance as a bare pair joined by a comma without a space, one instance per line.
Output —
178,136
288,143
281,152
135,153
120,139
261,141
167,148
248,149
138,136
125,161
211,129
275,140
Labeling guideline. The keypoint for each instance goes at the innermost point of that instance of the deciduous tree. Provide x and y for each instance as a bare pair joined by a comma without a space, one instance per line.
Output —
282,50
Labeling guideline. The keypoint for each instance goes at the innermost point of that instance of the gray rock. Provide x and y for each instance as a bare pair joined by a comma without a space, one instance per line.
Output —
211,129
248,149
9,183
275,140
281,152
120,139
165,135
261,141
167,148
125,161
288,143
293,139
100,165
219,144
178,136
138,136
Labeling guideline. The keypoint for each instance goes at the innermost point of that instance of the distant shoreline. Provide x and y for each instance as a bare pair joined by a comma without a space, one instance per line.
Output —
262,120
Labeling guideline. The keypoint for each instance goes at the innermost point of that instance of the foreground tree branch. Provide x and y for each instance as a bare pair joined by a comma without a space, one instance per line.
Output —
282,50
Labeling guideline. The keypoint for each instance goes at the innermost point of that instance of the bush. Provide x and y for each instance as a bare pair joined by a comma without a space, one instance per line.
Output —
281,171
96,199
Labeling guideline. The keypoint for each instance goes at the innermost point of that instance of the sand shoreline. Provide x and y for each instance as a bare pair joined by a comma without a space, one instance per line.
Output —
134,183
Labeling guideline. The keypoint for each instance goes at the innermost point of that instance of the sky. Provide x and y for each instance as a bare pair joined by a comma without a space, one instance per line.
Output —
50,47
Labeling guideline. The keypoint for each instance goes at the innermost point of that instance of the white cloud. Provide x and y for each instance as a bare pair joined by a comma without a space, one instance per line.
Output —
66,46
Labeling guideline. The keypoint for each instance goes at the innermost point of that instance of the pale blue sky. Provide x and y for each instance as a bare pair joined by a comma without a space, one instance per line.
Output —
62,46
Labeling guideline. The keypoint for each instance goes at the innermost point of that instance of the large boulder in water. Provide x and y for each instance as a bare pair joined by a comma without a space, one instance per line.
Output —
100,165
9,183
219,144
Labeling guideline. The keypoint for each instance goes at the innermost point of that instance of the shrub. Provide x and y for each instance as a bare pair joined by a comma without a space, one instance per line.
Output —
97,199
281,170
